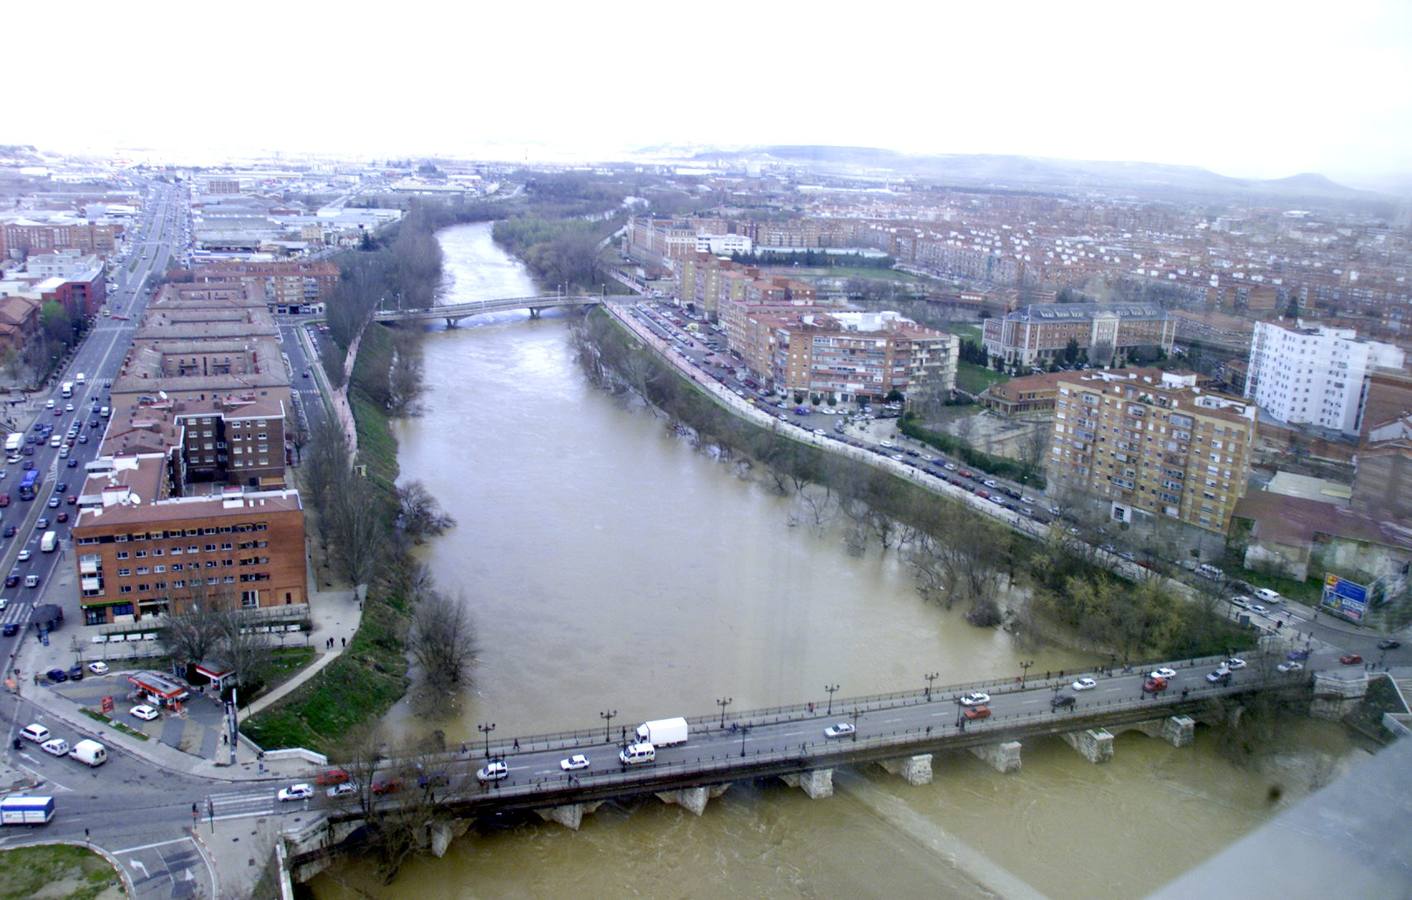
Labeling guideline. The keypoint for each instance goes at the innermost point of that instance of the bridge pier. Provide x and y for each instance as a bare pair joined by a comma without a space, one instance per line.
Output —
915,770
1336,694
1004,758
817,783
443,832
569,815
451,323
693,799
534,312
1093,744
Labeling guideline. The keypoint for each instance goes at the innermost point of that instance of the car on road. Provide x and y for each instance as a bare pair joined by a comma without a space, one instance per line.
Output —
1059,701
1289,666
950,467
63,516
1268,595
35,732
144,712
342,789
1297,654
10,629
975,698
977,712
98,668
72,462
61,487
491,771
1350,659
332,776
9,531
1154,685
838,730
1256,608
1163,672
574,763
1084,684
295,792
385,786
55,747
12,580
1219,676
24,555
1241,602
989,482
1235,662
58,676
71,499
1389,644
41,523
68,407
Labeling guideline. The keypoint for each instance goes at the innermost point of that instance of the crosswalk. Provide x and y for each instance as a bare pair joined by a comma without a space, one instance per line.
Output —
237,804
15,612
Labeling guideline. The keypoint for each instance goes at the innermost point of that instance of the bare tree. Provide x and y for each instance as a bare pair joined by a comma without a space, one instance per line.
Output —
192,632
357,529
421,515
1034,445
442,640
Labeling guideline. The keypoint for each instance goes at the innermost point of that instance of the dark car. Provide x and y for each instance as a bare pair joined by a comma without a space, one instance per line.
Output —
1389,644
1062,700
61,487
11,629
57,675
1297,654
62,517
12,580
9,531
72,462
76,673
28,464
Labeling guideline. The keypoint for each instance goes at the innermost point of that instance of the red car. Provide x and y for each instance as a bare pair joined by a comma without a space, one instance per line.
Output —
1154,685
977,712
388,786
62,517
331,776
71,499
1350,659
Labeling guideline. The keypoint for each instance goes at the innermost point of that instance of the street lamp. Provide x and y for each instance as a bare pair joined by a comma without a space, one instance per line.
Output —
1024,670
830,688
855,724
486,728
744,730
723,702
607,718
930,677
958,712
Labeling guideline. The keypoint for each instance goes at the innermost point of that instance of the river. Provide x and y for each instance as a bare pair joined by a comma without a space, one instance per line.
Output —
612,566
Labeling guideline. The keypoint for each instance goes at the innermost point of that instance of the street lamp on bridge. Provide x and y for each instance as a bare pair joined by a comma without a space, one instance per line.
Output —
930,677
744,730
855,724
830,688
1024,670
723,702
486,728
607,718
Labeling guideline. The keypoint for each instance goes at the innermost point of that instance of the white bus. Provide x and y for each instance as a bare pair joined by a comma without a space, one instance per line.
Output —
48,542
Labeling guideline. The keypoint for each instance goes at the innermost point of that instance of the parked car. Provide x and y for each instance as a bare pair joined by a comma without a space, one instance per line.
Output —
977,712
10,629
975,698
75,672
295,792
838,730
35,732
387,786
98,668
1297,654
144,712
58,676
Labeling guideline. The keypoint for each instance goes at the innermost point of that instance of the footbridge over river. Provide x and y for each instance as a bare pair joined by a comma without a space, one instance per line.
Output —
900,731
452,313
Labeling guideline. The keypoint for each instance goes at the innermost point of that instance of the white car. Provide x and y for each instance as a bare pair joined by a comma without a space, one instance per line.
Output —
1290,667
55,747
574,763
1235,662
493,771
98,668
989,482
342,790
295,792
1084,684
143,712
1163,672
24,555
975,698
838,730
1256,607
950,467
1243,602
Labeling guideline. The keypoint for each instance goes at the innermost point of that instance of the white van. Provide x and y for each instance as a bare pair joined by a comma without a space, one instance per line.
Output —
49,404
35,732
90,753
637,754
78,379
1268,595
1208,570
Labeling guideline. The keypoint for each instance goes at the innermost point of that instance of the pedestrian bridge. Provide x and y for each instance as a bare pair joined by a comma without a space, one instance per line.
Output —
901,731
455,312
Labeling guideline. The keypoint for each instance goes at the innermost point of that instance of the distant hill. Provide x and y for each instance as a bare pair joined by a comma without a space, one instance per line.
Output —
1038,173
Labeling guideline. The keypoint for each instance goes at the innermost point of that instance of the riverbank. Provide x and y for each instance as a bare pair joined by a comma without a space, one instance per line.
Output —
953,550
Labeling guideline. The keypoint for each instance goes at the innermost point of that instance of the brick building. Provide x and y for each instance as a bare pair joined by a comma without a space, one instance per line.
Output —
288,287
1042,333
853,355
24,237
1154,446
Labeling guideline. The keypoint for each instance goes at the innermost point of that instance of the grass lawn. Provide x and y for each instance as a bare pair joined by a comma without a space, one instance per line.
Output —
965,332
56,870
973,378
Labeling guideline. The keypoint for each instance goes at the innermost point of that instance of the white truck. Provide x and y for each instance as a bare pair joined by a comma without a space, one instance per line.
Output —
14,441
663,732
18,810
67,389
48,542
90,753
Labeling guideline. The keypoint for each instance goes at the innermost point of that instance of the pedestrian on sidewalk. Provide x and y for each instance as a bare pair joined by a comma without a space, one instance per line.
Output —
345,642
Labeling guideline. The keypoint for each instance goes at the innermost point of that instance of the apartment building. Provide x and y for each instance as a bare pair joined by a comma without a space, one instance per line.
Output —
23,236
852,355
1315,375
292,286
140,553
1152,446
1041,333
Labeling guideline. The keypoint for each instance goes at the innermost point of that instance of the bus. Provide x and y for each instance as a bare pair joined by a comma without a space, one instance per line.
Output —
29,485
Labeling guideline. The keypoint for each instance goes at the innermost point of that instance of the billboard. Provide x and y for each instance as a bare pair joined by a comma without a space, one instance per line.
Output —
1345,599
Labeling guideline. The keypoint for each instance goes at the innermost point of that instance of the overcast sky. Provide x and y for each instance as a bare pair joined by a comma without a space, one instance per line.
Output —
1244,88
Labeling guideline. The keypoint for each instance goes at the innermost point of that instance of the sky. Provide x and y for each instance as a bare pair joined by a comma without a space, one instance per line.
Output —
1251,89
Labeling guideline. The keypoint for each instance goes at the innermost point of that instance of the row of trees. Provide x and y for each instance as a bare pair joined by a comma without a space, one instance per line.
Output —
557,251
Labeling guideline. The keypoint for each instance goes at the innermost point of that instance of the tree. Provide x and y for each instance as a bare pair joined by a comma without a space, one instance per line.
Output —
421,515
1071,352
357,530
58,327
193,629
442,640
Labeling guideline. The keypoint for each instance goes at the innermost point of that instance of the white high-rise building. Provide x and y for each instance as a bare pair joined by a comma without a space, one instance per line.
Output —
1315,375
